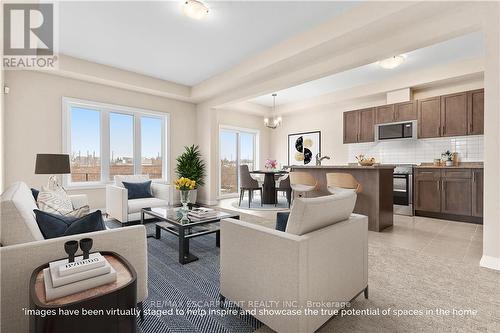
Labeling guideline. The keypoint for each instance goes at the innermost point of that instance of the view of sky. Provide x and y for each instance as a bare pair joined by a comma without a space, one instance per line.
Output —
228,144
85,133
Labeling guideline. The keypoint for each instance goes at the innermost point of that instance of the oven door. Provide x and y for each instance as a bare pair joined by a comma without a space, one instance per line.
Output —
401,190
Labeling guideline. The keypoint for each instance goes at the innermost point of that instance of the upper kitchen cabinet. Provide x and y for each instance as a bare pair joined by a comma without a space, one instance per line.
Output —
366,125
351,127
384,114
475,112
454,114
405,111
359,126
429,117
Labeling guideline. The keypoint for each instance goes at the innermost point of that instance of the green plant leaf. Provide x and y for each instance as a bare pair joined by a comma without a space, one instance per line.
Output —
191,165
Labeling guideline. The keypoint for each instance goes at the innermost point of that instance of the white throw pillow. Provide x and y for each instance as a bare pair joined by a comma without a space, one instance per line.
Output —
338,190
309,214
55,201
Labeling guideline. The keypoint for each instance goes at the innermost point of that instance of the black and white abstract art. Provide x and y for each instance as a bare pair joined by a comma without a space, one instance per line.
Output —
303,147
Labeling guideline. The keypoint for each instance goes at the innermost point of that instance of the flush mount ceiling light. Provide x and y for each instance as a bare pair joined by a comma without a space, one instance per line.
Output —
275,122
195,9
392,62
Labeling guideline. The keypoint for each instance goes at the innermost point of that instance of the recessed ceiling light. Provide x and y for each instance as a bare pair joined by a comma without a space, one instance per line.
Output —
195,9
392,62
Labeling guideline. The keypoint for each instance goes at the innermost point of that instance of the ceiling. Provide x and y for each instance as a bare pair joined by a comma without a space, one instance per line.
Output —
460,48
155,39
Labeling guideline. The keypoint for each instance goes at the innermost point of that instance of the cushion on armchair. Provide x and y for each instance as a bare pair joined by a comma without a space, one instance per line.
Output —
282,220
56,225
309,214
138,190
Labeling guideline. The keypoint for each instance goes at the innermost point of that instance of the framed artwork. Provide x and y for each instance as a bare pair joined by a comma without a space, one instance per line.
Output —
303,147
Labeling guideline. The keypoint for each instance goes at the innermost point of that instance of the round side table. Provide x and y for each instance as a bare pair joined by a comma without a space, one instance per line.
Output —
120,295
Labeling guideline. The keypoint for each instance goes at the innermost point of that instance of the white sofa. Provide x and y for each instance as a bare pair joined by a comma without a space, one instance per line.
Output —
119,207
24,249
322,256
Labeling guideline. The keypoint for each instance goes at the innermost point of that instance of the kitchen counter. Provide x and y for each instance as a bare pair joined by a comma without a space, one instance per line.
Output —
344,166
471,165
376,197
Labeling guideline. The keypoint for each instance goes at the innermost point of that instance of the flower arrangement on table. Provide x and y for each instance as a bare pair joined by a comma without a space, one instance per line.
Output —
271,164
184,185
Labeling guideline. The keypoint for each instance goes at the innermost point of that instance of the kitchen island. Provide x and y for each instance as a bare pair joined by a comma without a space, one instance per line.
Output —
376,198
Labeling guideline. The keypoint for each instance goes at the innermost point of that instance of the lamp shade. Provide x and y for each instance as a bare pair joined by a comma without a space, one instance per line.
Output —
52,164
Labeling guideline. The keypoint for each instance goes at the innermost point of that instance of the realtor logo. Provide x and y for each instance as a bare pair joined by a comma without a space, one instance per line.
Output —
28,36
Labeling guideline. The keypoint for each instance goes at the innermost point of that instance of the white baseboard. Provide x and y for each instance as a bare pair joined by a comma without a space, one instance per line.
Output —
490,262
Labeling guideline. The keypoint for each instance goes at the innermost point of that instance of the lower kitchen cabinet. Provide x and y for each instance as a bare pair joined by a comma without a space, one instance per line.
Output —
454,194
477,192
427,190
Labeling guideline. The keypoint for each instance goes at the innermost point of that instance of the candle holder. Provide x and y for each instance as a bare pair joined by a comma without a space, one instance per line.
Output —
86,245
71,247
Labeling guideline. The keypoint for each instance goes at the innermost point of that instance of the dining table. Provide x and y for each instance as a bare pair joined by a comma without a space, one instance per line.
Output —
269,186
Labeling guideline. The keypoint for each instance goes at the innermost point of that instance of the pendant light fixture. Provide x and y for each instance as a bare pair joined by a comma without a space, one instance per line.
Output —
275,121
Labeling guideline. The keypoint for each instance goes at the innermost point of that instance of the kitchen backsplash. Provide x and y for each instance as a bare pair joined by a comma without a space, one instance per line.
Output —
469,149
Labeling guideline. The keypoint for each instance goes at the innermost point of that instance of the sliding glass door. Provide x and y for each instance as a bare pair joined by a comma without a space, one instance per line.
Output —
236,147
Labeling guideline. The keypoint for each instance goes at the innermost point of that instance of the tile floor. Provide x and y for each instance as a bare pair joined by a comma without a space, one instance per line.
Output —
448,239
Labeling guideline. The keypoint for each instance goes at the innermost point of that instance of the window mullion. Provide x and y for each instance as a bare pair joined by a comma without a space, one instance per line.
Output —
105,147
137,145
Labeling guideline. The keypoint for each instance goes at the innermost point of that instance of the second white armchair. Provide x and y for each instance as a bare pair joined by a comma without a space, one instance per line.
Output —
119,207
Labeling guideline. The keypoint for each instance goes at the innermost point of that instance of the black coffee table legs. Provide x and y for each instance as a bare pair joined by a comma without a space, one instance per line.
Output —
184,256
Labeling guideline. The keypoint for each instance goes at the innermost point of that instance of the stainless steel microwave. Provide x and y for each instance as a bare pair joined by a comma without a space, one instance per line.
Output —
396,131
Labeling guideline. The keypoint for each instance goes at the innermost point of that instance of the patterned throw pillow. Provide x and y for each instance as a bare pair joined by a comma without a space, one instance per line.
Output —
54,201
79,212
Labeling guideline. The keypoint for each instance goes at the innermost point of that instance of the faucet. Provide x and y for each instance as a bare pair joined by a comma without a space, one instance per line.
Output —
319,158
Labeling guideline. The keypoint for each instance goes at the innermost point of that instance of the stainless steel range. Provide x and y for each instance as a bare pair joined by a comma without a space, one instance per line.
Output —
403,189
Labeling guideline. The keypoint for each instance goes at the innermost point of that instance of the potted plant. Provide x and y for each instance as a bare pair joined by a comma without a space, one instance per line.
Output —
191,166
447,156
271,164
184,186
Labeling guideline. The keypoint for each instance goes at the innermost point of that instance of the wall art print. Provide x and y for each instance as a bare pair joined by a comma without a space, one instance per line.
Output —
303,147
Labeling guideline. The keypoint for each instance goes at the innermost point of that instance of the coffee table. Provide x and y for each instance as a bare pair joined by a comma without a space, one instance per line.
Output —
178,223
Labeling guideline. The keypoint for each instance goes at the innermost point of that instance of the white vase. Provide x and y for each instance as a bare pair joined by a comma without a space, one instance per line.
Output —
449,163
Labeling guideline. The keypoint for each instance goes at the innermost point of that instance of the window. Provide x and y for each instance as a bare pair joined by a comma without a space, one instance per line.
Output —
107,140
151,147
85,145
236,147
121,144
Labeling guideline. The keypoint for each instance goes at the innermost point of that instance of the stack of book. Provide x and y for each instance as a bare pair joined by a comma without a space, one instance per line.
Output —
202,213
64,278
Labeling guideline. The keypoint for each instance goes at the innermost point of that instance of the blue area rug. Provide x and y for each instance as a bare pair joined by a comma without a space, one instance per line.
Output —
170,282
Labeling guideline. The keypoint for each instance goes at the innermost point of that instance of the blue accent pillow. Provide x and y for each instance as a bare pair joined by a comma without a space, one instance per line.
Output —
35,193
282,220
55,225
138,190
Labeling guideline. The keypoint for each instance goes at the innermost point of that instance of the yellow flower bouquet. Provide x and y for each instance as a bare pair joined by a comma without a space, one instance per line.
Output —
185,184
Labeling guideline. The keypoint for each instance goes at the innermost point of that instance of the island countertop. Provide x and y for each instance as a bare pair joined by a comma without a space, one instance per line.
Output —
344,166
376,198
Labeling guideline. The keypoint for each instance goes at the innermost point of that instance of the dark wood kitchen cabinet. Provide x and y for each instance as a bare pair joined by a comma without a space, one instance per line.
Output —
351,126
428,190
456,192
359,126
454,114
477,192
449,193
429,117
384,114
366,125
475,112
405,111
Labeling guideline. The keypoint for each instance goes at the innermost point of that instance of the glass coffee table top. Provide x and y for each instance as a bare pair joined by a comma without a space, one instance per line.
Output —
180,218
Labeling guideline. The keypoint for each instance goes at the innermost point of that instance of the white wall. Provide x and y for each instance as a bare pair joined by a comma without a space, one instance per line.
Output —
33,114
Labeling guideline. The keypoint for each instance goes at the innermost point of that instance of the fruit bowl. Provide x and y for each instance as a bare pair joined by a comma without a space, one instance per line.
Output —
365,161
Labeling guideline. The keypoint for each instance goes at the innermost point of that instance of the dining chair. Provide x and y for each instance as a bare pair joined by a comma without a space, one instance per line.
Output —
247,183
337,182
283,185
302,182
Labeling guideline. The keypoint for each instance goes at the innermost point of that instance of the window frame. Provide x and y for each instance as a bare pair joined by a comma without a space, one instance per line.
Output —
104,110
256,152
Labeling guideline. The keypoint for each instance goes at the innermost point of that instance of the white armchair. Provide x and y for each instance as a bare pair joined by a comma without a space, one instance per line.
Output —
322,257
119,207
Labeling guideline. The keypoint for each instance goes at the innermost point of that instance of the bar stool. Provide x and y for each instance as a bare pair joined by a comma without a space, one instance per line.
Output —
339,182
302,182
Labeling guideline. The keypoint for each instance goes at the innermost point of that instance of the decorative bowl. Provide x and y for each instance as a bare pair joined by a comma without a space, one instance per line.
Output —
365,161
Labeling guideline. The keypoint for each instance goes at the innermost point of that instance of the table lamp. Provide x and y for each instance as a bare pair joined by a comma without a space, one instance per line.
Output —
52,164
